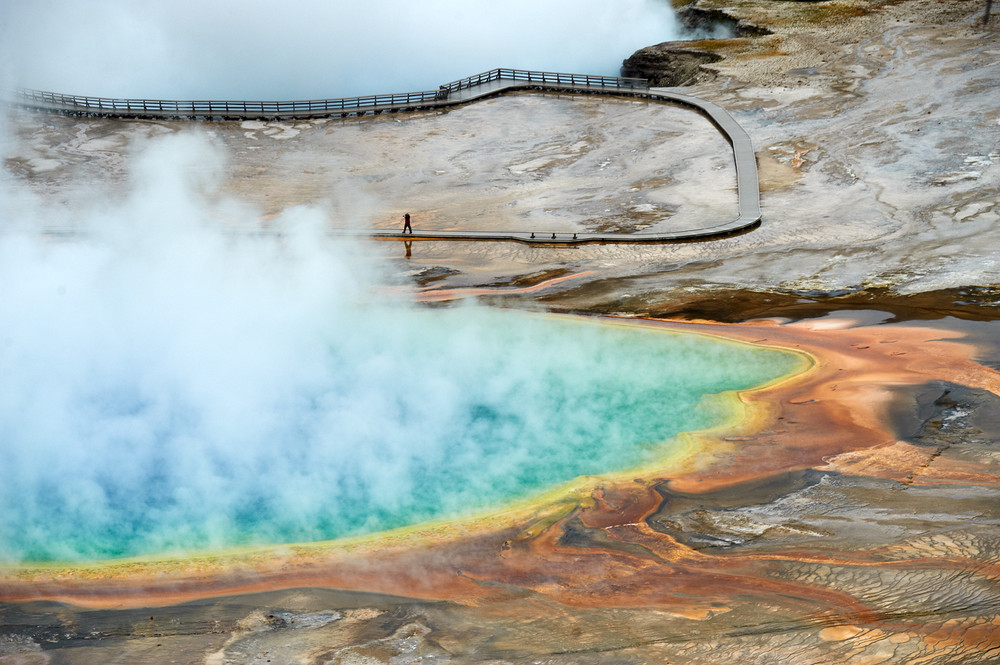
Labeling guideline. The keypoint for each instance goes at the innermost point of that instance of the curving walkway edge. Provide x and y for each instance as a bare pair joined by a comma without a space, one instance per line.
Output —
464,91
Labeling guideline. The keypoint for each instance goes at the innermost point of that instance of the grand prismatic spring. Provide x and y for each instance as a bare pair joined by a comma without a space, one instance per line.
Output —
229,436
337,422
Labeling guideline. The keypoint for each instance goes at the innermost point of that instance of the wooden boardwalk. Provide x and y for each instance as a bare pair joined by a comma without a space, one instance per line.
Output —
463,91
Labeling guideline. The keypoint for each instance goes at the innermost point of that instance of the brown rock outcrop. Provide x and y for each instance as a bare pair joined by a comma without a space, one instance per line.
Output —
670,64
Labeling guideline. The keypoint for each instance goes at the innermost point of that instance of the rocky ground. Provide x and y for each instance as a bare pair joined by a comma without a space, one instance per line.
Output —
878,140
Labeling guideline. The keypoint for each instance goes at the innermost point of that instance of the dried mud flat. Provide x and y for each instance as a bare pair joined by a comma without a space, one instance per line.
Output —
856,521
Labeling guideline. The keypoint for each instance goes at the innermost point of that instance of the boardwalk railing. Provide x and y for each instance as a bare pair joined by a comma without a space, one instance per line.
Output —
614,82
215,107
311,107
463,91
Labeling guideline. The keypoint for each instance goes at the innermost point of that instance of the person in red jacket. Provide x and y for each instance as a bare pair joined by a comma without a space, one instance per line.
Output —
406,223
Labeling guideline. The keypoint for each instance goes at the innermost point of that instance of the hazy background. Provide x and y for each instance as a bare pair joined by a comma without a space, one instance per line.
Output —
191,49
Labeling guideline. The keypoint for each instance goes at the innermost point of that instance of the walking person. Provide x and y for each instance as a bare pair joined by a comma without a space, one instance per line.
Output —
406,223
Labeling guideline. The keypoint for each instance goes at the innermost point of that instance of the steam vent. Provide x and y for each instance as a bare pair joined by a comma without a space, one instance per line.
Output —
691,359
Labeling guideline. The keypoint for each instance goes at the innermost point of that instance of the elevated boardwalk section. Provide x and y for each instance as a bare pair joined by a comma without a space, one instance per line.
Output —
463,91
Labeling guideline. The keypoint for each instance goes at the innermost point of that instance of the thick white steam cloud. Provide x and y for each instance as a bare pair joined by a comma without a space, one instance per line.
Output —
187,49
171,383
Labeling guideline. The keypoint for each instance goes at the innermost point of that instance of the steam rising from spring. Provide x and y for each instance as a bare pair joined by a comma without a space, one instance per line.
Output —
172,385
172,382
313,49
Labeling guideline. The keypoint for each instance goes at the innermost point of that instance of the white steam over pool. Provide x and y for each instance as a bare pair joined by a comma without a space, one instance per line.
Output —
174,380
311,49
171,385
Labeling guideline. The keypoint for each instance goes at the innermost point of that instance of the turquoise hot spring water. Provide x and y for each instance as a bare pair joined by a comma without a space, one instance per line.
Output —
397,416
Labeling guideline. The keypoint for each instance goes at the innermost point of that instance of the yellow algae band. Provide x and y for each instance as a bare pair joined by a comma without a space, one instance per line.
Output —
471,411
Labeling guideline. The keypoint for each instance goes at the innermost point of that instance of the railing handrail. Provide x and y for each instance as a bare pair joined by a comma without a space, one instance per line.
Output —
545,77
747,185
223,106
403,99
